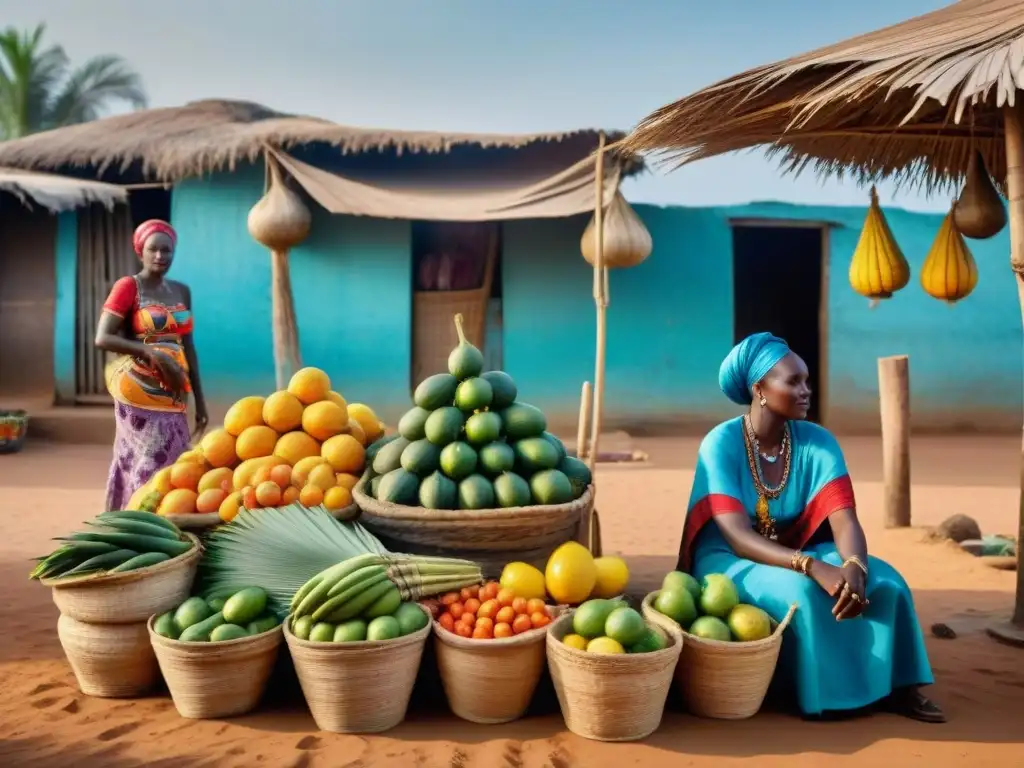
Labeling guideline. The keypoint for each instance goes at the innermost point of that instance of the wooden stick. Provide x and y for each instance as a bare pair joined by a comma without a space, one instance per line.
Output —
582,429
600,302
1015,192
286,329
894,404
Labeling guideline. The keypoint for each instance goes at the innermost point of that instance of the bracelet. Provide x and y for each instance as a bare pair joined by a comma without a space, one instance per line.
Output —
854,560
800,562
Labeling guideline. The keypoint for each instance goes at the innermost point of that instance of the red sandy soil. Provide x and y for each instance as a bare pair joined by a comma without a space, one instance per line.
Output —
45,720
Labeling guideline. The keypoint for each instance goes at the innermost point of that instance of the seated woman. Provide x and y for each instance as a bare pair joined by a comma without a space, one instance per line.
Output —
784,527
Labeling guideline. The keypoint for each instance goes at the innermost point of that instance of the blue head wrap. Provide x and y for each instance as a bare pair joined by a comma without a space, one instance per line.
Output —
748,363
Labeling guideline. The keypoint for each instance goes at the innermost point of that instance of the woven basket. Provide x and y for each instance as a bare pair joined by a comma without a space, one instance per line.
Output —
13,428
611,697
204,522
112,661
223,679
130,597
359,687
490,537
723,680
490,681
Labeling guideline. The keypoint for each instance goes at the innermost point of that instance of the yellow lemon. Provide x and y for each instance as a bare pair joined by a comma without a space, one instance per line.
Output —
524,580
604,645
575,641
570,573
612,577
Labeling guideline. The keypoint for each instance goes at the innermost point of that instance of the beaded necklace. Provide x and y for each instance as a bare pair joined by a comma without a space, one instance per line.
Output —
765,523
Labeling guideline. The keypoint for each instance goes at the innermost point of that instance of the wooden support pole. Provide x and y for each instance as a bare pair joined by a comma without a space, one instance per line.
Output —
601,304
583,427
894,404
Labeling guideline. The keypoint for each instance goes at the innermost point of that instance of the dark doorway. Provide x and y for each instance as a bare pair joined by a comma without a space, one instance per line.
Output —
777,273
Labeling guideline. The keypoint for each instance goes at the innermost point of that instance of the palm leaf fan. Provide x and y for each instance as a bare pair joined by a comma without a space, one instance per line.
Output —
279,550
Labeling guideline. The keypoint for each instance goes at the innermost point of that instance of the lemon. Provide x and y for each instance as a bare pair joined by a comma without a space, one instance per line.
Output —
570,574
524,580
612,577
605,645
575,641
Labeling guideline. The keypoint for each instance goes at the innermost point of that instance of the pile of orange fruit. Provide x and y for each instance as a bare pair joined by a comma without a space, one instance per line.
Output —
489,612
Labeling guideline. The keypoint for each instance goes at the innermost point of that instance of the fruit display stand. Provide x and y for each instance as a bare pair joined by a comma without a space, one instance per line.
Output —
723,680
611,697
490,537
491,681
102,626
357,687
213,680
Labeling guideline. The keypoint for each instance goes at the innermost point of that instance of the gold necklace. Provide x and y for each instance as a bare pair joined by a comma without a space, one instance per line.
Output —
765,521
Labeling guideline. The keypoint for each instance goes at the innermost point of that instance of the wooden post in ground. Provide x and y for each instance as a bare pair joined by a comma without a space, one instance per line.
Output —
583,427
894,404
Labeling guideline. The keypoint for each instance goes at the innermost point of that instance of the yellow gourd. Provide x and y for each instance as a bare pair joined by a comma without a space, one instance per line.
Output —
979,211
878,268
626,240
949,272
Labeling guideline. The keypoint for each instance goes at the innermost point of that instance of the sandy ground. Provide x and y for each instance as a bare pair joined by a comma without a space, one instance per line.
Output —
44,720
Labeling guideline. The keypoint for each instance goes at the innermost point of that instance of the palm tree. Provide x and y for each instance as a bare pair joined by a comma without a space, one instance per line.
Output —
40,90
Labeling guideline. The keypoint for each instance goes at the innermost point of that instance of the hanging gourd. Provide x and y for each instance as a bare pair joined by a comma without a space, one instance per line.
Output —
280,221
878,268
979,212
949,272
626,240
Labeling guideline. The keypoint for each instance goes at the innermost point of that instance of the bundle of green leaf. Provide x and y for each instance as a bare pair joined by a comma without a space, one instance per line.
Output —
119,542
283,549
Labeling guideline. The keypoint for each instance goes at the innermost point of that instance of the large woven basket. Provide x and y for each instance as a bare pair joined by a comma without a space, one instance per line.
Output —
723,680
130,597
357,687
222,679
490,537
490,681
611,697
112,661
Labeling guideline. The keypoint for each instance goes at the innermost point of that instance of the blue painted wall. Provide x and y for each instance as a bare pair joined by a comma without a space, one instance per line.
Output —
65,304
350,280
669,320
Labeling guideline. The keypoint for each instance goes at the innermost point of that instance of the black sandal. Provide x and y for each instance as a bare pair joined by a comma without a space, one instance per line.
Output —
911,703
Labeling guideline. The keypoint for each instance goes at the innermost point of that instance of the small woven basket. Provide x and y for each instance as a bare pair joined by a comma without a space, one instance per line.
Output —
490,537
216,679
357,687
490,681
611,697
13,429
130,597
111,661
723,680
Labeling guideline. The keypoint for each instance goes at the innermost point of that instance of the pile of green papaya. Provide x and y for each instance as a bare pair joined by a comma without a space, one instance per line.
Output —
469,444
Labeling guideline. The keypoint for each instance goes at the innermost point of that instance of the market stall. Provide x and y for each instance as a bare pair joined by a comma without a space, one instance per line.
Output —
933,102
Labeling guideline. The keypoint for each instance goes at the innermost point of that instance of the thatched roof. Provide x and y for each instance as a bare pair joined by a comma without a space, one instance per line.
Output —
906,101
204,136
59,193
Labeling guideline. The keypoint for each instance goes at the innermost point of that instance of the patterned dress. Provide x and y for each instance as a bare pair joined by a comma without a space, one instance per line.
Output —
152,430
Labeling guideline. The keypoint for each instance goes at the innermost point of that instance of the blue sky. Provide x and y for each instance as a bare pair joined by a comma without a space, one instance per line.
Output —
475,65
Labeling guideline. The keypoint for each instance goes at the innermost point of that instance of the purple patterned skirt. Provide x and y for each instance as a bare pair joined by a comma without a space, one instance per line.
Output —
146,441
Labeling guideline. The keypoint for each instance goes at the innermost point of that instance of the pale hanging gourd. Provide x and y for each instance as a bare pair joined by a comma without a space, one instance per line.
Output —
979,212
878,268
626,240
280,221
949,272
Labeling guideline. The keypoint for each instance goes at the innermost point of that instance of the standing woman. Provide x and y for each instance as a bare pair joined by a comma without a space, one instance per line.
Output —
147,320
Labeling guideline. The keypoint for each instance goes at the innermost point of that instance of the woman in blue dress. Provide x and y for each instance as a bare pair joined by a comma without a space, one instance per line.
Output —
784,527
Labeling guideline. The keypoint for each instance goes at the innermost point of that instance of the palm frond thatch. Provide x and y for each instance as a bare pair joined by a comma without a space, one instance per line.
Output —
204,136
58,193
904,102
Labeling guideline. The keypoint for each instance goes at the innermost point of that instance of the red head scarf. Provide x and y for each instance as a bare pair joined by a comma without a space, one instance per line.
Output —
149,228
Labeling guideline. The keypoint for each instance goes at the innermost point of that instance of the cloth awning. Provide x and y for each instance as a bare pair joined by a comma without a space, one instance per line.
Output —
522,191
59,193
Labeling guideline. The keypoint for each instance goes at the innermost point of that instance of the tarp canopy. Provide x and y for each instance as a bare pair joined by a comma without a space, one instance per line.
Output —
518,191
